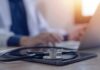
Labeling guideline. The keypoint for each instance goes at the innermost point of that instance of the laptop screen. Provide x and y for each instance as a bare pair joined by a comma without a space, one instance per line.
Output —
92,37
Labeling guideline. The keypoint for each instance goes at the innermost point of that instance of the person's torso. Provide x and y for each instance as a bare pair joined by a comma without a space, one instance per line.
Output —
20,26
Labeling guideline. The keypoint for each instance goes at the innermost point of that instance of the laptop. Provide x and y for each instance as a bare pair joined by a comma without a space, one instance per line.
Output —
92,36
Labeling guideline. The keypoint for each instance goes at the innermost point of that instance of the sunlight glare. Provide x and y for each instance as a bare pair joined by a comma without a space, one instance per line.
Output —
89,7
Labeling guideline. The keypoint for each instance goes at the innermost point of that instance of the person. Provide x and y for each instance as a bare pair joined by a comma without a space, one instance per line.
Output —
22,24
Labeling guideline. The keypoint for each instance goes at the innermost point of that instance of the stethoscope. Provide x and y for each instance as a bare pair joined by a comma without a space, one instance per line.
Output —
38,52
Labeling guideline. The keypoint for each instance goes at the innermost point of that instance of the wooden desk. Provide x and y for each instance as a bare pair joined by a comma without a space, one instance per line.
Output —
93,64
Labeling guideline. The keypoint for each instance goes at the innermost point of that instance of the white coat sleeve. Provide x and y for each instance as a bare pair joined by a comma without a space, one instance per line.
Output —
4,34
7,38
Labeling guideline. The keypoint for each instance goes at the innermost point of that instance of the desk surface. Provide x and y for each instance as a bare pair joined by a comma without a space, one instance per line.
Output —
92,64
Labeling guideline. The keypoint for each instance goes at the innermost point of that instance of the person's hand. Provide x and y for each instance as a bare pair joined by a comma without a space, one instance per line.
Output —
42,38
78,32
49,38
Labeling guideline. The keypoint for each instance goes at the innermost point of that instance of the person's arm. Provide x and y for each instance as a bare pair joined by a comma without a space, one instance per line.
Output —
4,36
7,38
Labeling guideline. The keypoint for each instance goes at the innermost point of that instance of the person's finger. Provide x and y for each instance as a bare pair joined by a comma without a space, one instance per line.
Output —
57,37
51,40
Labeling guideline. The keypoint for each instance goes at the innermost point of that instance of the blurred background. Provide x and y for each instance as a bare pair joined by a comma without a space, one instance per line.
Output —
66,13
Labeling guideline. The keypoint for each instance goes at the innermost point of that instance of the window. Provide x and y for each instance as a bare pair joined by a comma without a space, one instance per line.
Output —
85,9
89,7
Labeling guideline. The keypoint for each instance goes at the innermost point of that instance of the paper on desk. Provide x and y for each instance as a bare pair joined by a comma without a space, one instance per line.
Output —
69,44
